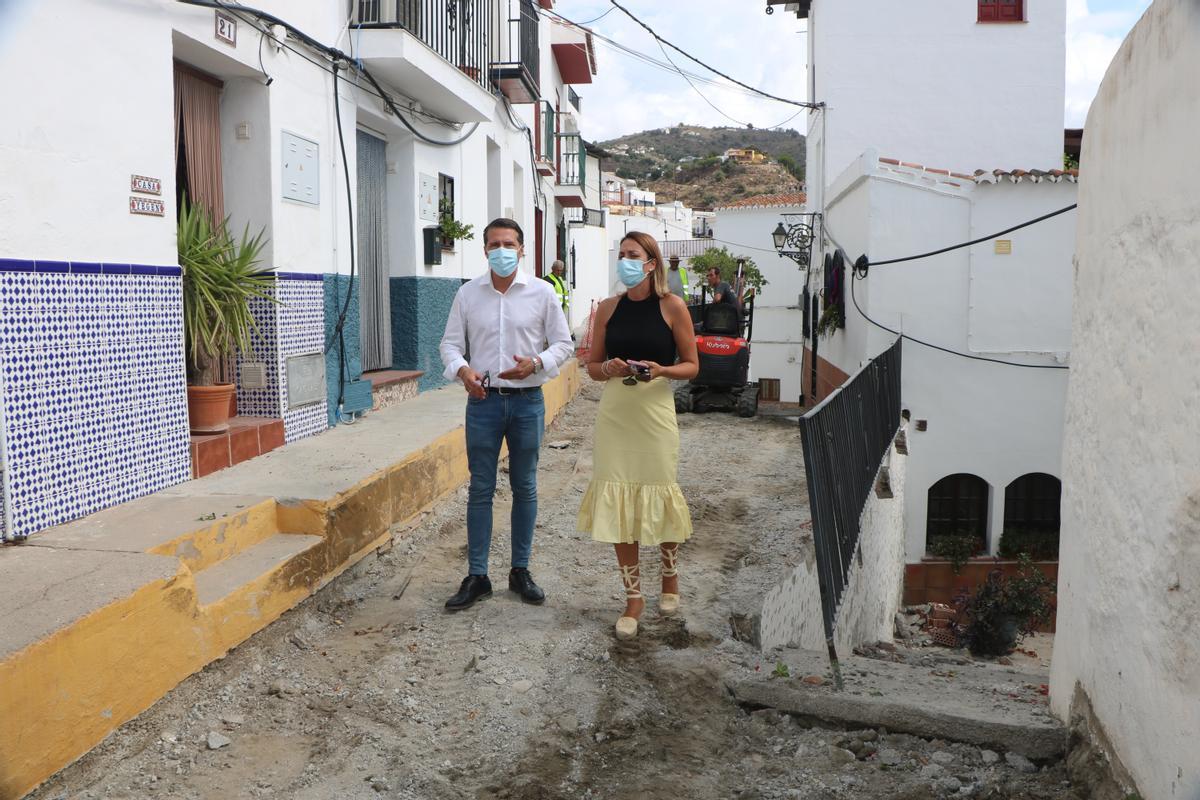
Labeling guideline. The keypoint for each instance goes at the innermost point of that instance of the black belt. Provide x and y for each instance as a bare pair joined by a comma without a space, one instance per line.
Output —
513,389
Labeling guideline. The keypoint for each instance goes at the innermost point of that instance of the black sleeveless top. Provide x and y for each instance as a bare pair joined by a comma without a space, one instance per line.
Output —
637,331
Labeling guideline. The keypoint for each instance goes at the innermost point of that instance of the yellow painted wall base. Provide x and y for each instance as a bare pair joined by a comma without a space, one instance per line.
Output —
60,696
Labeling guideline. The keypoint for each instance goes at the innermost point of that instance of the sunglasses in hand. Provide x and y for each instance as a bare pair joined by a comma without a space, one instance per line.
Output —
641,372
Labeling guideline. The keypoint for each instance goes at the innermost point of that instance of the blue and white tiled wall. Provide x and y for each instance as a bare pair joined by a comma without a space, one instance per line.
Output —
94,388
293,325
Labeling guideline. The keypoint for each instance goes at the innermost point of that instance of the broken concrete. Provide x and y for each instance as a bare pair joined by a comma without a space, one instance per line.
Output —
964,701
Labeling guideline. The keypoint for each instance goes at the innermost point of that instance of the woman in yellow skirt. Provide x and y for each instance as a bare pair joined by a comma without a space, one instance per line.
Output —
641,341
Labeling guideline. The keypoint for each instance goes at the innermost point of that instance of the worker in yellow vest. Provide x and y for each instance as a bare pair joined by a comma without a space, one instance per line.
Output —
556,279
677,279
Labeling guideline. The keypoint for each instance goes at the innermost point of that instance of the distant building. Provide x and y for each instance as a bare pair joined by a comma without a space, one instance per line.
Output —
746,155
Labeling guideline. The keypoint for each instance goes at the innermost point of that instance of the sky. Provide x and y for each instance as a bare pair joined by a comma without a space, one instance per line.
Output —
627,96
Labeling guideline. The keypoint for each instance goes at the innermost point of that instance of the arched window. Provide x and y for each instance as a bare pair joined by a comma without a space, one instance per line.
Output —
958,509
1031,517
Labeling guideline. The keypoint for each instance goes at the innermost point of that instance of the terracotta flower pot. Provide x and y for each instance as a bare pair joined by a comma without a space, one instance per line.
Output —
208,407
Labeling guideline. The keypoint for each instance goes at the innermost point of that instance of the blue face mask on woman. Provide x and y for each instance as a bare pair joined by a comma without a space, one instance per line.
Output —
631,271
503,261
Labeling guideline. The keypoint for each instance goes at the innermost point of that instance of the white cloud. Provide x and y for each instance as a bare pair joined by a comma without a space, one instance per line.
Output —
769,52
630,96
1093,38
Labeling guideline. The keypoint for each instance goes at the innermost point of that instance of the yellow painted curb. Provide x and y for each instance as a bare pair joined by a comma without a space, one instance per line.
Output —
61,695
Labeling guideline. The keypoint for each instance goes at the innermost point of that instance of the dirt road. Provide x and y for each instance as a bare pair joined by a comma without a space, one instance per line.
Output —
369,690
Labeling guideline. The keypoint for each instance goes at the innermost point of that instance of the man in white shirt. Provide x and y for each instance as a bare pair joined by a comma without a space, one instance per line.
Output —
516,334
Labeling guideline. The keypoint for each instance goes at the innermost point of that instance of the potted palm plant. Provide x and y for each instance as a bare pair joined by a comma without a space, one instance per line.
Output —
220,277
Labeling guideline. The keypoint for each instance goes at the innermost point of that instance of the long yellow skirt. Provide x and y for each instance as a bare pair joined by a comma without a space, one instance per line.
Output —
634,495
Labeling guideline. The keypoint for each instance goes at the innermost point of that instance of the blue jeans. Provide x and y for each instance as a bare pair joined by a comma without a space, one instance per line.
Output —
519,420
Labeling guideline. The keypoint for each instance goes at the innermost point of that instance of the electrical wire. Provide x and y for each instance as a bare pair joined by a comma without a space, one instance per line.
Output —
931,253
642,57
597,19
860,273
340,330
855,279
335,55
714,70
322,65
262,35
539,199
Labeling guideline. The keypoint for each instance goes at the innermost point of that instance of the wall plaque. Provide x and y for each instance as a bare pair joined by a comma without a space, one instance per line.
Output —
140,183
148,206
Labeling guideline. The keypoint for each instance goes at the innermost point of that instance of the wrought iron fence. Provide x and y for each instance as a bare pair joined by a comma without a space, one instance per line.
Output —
584,216
515,39
455,29
544,133
572,162
844,440
686,248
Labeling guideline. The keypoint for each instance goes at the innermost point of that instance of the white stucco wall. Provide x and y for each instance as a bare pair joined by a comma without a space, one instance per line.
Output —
65,186
923,81
1129,597
776,351
791,612
995,421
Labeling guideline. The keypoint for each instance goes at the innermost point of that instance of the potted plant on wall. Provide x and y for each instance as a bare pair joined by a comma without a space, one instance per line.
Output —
220,278
451,228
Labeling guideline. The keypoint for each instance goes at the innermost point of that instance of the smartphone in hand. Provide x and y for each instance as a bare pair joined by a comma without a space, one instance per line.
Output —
641,370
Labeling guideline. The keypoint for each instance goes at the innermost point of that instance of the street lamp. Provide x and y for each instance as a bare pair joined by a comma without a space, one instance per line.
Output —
794,239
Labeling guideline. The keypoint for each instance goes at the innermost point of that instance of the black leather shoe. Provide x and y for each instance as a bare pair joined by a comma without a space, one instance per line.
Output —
474,587
521,582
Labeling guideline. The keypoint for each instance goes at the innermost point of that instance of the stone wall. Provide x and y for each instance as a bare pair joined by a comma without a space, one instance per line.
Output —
1129,564
791,613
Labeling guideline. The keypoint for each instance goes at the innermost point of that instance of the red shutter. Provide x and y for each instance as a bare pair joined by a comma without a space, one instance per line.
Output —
1001,10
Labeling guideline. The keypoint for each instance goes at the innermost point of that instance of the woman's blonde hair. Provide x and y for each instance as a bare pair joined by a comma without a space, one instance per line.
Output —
659,276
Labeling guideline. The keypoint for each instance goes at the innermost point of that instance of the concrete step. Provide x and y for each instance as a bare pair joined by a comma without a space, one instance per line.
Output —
232,526
222,582
392,387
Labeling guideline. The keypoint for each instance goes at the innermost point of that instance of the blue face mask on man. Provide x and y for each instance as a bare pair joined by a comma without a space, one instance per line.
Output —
503,261
631,271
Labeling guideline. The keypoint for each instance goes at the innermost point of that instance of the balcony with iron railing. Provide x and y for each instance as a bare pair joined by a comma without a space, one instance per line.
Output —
515,67
544,130
584,216
572,170
436,51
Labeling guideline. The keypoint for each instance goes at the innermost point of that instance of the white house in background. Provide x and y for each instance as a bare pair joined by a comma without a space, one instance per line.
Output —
776,353
987,437
1126,659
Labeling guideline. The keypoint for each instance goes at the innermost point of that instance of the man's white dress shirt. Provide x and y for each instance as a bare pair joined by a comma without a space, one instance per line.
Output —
492,327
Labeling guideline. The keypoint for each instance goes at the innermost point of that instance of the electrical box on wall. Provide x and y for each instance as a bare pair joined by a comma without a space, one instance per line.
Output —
301,169
433,245
427,201
305,379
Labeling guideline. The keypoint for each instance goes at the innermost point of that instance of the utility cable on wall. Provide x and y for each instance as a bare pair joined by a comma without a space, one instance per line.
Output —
860,269
335,55
960,354
981,239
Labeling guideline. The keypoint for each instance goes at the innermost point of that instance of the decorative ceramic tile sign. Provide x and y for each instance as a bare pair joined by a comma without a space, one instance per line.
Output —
226,27
147,206
140,183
